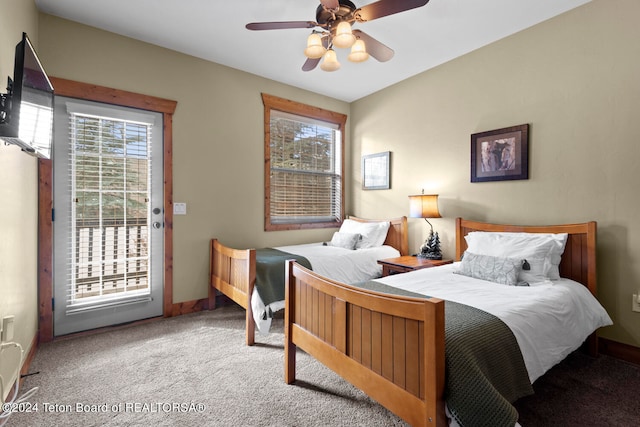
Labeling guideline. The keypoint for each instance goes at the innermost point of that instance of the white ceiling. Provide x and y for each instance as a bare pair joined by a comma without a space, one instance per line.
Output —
214,30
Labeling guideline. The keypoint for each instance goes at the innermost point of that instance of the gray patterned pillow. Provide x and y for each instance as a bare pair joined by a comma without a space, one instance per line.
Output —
494,269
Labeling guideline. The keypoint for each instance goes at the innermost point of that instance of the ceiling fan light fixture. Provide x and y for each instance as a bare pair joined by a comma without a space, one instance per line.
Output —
334,18
358,52
330,61
344,38
314,49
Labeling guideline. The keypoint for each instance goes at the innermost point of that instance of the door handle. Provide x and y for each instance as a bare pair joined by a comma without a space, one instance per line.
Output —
157,225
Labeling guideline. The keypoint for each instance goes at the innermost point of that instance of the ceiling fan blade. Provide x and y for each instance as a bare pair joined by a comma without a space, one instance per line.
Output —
376,49
385,8
330,4
280,25
310,64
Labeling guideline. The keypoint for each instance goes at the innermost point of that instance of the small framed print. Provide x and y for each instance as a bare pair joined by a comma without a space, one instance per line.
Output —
375,171
500,155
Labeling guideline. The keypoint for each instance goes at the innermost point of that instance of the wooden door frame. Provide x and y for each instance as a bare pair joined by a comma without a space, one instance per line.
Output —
91,92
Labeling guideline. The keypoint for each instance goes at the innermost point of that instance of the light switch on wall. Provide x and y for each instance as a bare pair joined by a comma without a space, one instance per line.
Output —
179,208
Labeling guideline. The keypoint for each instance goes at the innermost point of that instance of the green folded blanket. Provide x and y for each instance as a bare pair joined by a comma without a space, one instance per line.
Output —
270,273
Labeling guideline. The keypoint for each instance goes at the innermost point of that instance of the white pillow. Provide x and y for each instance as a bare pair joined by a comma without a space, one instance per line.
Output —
542,251
373,233
344,240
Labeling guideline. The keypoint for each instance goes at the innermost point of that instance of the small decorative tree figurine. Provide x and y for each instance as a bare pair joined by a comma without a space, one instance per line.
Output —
431,247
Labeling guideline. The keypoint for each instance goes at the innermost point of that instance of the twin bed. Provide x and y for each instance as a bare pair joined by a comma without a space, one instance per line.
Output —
390,337
234,272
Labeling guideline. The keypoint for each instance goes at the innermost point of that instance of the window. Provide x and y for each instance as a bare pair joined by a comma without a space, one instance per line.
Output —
304,165
109,162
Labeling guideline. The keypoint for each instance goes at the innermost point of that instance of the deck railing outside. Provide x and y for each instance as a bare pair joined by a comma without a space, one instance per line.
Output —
111,257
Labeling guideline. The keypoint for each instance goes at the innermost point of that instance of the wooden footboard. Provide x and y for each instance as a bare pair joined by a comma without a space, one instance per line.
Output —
233,272
390,347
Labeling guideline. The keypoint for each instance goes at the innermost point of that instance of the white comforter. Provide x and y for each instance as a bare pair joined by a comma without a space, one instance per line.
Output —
342,265
549,321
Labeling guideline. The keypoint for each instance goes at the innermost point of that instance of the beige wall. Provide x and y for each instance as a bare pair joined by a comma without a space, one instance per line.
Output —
574,79
218,136
18,193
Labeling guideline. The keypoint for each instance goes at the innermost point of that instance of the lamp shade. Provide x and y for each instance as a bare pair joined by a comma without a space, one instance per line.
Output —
424,206
330,61
344,38
358,52
314,49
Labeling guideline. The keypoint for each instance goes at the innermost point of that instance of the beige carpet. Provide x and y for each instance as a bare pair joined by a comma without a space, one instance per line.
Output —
191,370
195,370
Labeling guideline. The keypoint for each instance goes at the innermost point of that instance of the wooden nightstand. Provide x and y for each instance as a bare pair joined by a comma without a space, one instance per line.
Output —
408,263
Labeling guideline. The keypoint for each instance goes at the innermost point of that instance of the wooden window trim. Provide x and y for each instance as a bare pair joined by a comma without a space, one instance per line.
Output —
275,103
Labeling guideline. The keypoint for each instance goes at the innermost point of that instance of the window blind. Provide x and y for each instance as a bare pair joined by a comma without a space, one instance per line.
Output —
305,176
109,179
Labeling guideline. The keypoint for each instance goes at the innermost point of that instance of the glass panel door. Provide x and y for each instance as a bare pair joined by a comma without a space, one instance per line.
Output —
108,228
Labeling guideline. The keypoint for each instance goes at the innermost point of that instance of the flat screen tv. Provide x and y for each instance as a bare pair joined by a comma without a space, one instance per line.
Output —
26,111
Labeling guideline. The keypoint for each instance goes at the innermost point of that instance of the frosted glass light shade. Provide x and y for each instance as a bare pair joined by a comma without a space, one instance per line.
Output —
330,61
344,38
314,49
358,52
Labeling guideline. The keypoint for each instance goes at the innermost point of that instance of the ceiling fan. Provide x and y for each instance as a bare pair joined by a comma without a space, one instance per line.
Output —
335,18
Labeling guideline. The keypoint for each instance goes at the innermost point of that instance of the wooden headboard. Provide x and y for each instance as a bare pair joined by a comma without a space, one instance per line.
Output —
398,234
579,257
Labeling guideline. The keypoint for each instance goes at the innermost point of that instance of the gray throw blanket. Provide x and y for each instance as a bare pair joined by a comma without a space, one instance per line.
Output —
485,371
270,273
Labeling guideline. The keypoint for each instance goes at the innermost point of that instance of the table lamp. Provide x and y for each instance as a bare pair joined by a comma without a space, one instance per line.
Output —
426,206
